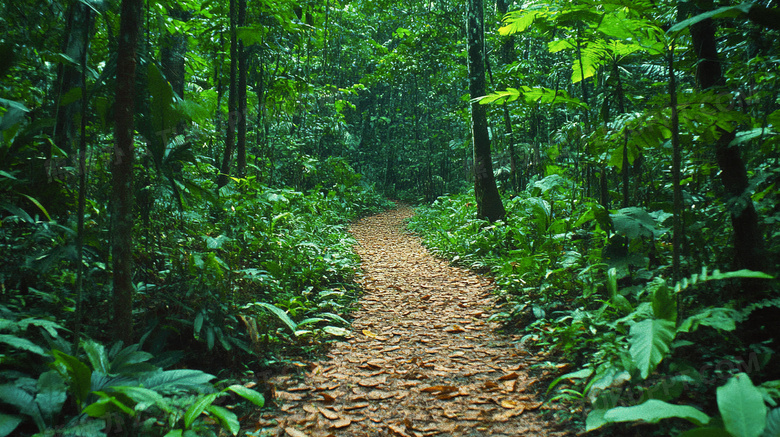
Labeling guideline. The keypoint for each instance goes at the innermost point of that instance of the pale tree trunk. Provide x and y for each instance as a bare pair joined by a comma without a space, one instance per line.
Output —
489,203
122,171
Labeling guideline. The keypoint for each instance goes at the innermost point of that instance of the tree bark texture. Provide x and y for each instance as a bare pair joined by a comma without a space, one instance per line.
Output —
122,171
489,203
748,243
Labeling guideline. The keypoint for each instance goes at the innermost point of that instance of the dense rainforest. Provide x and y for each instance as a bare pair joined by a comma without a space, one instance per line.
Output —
178,179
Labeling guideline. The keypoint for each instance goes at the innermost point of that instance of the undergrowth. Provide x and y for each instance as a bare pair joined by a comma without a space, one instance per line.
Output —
591,286
237,284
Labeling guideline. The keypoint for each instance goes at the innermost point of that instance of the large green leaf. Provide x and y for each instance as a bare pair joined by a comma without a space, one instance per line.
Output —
279,313
21,343
723,319
742,407
772,424
248,394
635,222
654,411
650,341
227,419
78,374
724,12
8,423
23,401
96,353
52,394
178,380
195,410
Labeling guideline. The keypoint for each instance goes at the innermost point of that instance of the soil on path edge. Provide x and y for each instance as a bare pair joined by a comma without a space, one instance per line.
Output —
422,360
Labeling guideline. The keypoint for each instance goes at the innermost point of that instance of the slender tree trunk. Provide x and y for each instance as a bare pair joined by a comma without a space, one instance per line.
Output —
507,56
230,136
82,172
748,243
122,171
489,203
677,231
242,76
75,44
626,171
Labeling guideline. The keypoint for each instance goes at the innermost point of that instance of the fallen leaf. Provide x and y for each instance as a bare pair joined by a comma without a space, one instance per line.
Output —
327,398
285,396
341,423
368,333
372,382
508,376
309,408
439,389
356,406
398,430
379,395
454,329
292,432
329,414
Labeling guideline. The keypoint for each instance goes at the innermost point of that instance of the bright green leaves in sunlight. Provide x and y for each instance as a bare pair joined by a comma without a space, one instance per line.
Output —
532,96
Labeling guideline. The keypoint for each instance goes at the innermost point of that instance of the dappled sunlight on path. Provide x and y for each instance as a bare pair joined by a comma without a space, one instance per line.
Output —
422,359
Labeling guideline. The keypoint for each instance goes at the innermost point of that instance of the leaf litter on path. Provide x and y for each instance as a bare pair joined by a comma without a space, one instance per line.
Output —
422,359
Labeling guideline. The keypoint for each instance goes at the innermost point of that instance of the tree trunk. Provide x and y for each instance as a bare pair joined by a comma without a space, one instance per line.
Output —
75,44
230,136
489,203
748,242
82,197
122,171
242,76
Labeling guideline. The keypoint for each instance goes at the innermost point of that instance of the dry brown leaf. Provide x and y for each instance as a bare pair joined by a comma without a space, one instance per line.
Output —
309,408
490,385
286,396
379,395
454,329
292,432
372,382
448,396
509,376
368,333
439,389
356,406
329,414
342,423
398,430
327,398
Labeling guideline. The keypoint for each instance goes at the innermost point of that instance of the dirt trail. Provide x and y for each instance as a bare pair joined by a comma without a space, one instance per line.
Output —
421,361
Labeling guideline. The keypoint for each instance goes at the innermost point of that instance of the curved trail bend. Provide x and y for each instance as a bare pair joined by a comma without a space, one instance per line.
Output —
421,361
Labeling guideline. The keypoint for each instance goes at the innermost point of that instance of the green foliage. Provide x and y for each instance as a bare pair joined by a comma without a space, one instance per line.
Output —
116,387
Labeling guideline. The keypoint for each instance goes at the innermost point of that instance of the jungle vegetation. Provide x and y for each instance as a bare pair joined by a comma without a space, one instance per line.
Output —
177,177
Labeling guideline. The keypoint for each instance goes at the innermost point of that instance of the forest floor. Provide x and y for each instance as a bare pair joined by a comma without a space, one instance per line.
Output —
422,359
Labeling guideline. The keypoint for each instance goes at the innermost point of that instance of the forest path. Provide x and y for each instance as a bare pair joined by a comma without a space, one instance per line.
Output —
422,360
